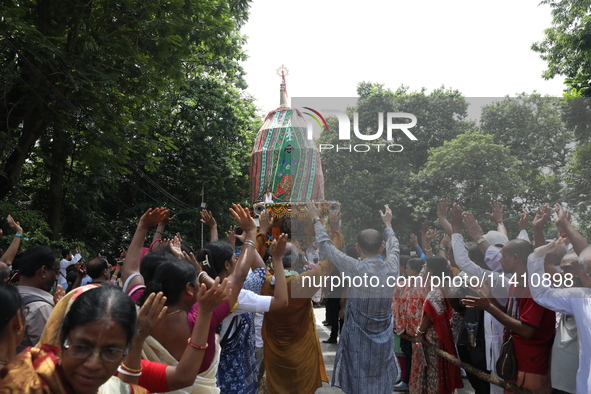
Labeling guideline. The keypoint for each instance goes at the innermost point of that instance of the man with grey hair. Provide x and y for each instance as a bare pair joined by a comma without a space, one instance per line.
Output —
365,361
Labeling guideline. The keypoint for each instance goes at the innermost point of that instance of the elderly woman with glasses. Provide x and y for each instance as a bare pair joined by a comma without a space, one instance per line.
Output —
94,336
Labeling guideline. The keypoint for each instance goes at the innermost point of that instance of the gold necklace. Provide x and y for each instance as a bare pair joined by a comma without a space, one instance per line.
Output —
176,311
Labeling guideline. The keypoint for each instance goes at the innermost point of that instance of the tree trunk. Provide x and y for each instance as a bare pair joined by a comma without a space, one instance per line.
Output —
56,182
33,127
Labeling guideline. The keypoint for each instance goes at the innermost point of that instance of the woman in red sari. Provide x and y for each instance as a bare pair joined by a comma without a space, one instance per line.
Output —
431,373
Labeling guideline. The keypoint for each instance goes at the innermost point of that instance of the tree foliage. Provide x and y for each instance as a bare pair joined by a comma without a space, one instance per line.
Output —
364,182
567,50
472,170
518,154
532,128
567,44
109,107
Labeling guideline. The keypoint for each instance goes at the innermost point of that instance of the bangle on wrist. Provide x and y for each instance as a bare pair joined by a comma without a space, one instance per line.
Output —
198,347
499,221
201,276
249,242
121,370
481,240
419,330
443,248
126,368
21,236
154,242
428,250
159,232
563,235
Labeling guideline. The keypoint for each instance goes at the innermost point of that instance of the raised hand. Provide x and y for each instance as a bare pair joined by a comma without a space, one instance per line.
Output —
457,217
386,216
334,221
497,212
265,221
190,257
150,314
231,235
414,240
218,294
278,247
523,220
175,247
445,241
313,211
207,218
168,219
431,234
15,226
541,216
241,237
472,225
443,208
442,216
549,247
153,216
561,216
243,218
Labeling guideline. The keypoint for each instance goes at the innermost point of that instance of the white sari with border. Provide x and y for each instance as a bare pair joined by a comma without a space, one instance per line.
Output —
205,383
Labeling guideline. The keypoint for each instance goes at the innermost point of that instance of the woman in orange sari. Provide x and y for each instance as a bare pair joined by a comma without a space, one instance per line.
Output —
94,338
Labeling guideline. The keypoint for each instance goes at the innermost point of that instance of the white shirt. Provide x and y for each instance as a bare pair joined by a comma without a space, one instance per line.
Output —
574,301
258,326
493,329
61,280
248,301
523,235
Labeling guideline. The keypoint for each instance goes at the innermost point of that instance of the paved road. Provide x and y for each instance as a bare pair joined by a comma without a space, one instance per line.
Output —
329,352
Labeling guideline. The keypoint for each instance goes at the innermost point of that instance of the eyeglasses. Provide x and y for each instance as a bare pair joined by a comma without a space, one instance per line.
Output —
56,270
81,352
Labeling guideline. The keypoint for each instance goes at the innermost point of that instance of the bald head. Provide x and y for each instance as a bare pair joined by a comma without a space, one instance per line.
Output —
585,259
570,262
97,268
556,256
520,248
4,272
370,241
